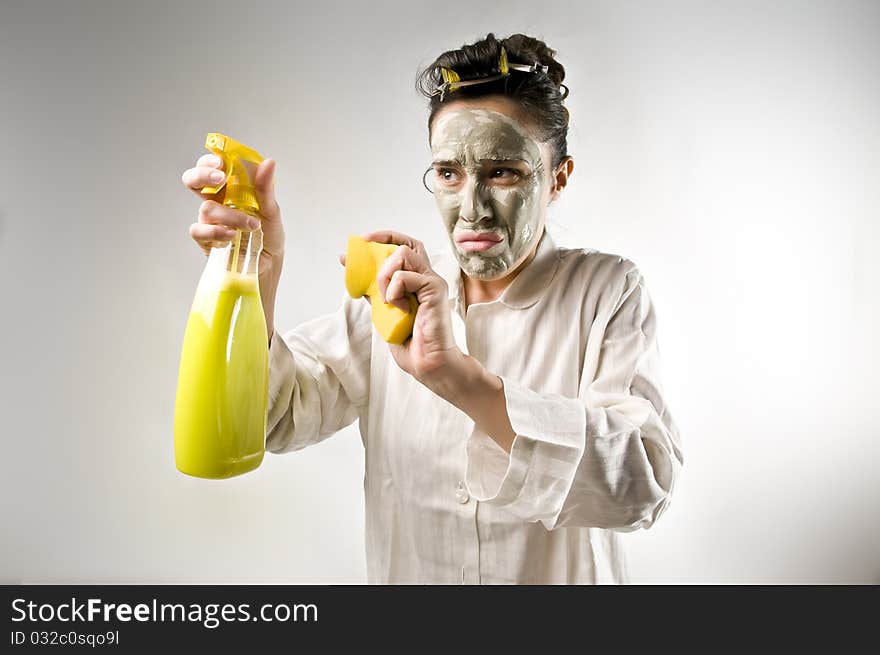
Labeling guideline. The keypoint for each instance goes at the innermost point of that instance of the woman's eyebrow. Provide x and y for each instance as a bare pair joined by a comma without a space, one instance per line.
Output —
506,160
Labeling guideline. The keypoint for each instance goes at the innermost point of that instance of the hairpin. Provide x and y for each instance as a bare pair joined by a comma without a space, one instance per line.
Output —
453,82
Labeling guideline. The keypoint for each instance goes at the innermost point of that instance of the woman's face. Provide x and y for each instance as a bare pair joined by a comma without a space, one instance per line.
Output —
492,182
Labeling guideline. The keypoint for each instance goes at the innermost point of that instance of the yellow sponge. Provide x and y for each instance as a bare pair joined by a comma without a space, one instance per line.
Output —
363,259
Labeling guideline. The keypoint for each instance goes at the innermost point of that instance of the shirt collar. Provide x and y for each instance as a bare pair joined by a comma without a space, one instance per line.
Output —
527,287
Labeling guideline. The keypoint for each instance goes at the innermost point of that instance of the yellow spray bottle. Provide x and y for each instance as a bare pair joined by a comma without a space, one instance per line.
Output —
222,387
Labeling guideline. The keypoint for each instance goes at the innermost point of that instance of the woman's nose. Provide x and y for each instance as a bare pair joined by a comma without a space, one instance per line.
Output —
474,204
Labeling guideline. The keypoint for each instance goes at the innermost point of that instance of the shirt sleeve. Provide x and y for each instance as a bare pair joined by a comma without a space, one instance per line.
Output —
319,377
606,459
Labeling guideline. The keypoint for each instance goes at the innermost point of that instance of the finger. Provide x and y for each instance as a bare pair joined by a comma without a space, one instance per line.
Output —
394,262
403,282
264,186
404,258
399,238
210,159
214,213
210,236
200,177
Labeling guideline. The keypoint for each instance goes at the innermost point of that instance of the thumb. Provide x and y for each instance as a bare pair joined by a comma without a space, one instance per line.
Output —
264,185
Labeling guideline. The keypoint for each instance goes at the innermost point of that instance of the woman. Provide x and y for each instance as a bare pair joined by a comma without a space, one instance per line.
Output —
523,424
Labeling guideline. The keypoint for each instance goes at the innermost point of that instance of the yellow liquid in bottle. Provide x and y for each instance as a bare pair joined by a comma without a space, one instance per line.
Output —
222,392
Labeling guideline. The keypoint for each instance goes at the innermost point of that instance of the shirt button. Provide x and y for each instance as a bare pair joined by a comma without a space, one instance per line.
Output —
461,493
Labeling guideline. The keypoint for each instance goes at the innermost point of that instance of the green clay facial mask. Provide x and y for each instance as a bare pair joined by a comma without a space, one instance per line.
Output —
489,182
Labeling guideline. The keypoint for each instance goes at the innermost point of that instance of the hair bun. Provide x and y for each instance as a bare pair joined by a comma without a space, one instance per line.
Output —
529,50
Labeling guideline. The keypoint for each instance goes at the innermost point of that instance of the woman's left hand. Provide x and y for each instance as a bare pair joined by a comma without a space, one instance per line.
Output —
431,350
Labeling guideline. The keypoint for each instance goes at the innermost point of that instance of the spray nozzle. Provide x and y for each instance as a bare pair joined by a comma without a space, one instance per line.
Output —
240,164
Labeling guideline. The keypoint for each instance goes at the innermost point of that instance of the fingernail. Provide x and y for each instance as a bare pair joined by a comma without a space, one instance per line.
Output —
216,176
253,223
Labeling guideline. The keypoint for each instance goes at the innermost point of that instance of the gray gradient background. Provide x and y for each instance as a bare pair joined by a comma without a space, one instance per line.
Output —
731,149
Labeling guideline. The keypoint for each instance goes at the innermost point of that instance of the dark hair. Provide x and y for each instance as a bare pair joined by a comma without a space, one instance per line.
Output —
538,94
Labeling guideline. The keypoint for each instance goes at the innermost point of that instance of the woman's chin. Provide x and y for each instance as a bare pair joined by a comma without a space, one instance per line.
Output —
483,266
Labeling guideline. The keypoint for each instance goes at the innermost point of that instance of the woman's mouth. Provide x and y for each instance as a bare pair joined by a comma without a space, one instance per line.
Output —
477,241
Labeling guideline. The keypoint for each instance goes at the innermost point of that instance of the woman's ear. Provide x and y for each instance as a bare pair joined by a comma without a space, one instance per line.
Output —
560,177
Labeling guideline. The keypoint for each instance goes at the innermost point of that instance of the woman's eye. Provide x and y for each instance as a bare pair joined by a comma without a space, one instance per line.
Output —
447,175
505,174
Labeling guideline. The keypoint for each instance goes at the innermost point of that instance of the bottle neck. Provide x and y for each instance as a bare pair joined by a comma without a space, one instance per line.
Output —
242,254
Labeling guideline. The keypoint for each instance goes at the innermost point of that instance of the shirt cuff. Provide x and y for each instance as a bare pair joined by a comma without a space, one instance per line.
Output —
281,365
532,481
282,374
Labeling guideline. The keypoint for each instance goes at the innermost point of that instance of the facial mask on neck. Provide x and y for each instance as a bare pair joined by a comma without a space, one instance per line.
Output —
474,151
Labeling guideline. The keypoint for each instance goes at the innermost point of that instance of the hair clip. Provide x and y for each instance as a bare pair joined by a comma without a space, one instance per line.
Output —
453,82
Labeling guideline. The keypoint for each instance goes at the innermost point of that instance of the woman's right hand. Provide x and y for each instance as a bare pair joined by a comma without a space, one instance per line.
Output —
216,224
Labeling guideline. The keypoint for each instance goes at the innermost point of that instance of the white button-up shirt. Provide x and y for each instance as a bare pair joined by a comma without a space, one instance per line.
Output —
574,340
